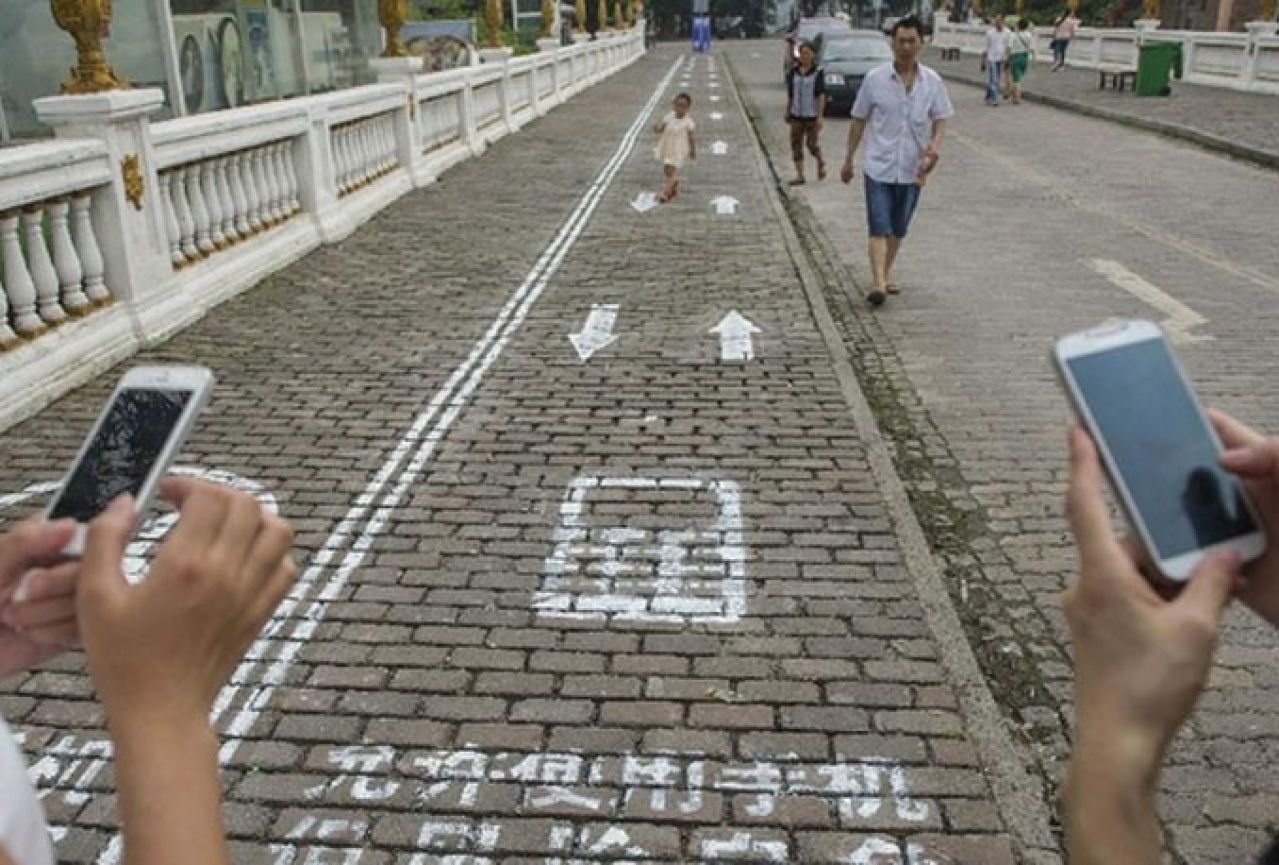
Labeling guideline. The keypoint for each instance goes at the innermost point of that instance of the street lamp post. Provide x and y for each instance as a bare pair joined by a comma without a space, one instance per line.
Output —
87,22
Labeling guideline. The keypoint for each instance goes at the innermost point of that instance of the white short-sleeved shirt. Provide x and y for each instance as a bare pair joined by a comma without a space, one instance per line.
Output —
23,833
997,44
899,124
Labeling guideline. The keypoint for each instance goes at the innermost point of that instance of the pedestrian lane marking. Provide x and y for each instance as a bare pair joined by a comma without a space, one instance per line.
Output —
692,570
1180,318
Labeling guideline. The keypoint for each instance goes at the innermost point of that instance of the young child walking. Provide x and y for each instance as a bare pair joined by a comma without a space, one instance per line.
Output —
675,144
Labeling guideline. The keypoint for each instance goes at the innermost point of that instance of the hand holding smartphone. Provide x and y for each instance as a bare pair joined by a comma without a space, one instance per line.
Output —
1157,446
132,443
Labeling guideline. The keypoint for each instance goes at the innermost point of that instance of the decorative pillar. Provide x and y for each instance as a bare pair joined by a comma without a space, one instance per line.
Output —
493,22
87,22
128,215
579,20
601,12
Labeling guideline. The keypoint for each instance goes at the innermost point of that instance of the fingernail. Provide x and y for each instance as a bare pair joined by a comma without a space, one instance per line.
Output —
23,593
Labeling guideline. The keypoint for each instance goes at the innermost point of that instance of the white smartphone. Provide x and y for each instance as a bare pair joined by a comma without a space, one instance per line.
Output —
1157,446
132,443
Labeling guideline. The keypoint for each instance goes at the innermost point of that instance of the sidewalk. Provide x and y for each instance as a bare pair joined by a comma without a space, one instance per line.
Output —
600,561
1243,125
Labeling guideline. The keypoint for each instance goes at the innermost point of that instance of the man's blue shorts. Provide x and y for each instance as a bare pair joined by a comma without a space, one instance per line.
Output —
889,207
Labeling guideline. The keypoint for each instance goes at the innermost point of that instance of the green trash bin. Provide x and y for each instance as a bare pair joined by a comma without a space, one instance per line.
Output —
1157,62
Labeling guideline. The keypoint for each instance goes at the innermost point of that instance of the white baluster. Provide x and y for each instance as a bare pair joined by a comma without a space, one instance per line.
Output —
384,151
240,202
342,158
41,266
281,180
224,201
248,180
263,190
276,182
167,191
186,220
8,339
65,260
22,291
209,189
291,175
363,148
388,135
86,243
200,213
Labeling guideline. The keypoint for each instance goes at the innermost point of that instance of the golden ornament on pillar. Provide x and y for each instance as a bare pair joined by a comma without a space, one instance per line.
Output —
1267,10
1149,8
493,21
601,11
1073,6
87,22
579,16
548,19
391,15
619,19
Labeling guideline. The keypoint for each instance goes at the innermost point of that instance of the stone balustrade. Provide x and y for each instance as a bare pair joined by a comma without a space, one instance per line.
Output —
122,231
1241,61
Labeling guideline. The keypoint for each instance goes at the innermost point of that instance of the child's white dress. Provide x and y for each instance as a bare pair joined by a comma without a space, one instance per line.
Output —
672,146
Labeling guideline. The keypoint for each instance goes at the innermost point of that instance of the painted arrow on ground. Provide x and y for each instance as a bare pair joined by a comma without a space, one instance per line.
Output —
725,205
644,202
715,115
597,333
719,148
735,331
714,98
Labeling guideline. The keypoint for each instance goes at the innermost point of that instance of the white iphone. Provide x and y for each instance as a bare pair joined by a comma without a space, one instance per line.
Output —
1157,446
131,445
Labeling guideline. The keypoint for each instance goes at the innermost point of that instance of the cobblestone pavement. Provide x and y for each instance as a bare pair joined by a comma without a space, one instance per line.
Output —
646,606
1034,220
1246,124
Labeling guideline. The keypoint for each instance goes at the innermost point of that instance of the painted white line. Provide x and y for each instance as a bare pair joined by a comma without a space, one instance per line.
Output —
719,148
734,332
715,115
452,402
725,205
597,333
1180,318
644,202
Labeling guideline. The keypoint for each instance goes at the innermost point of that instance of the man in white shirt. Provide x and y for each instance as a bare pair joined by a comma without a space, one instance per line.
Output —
997,45
904,107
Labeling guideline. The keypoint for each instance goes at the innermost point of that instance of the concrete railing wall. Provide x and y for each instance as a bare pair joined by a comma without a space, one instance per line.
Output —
1241,61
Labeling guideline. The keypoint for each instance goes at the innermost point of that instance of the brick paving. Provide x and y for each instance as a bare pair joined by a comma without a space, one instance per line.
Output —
1241,123
1002,260
648,606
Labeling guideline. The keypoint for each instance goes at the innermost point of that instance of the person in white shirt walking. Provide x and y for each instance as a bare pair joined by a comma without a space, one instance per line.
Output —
995,57
1063,31
904,106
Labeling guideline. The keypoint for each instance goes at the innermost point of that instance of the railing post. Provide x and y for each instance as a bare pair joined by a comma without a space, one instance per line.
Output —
129,215
470,130
408,141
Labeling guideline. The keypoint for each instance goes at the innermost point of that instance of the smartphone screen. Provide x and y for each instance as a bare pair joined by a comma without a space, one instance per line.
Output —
1161,447
123,451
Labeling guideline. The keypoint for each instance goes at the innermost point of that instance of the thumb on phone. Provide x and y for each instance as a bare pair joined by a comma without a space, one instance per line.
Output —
101,575
1212,584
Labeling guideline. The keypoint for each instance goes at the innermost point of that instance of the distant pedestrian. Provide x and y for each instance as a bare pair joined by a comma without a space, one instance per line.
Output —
1021,50
994,58
903,107
675,144
1064,30
805,107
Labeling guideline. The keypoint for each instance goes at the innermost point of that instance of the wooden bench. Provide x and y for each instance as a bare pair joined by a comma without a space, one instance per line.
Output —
949,52
1116,77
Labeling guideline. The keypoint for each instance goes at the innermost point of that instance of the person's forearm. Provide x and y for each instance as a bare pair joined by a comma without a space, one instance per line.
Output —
854,138
1110,807
169,793
939,128
821,106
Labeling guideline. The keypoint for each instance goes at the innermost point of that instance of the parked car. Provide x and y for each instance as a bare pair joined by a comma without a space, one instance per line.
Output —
845,59
812,30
